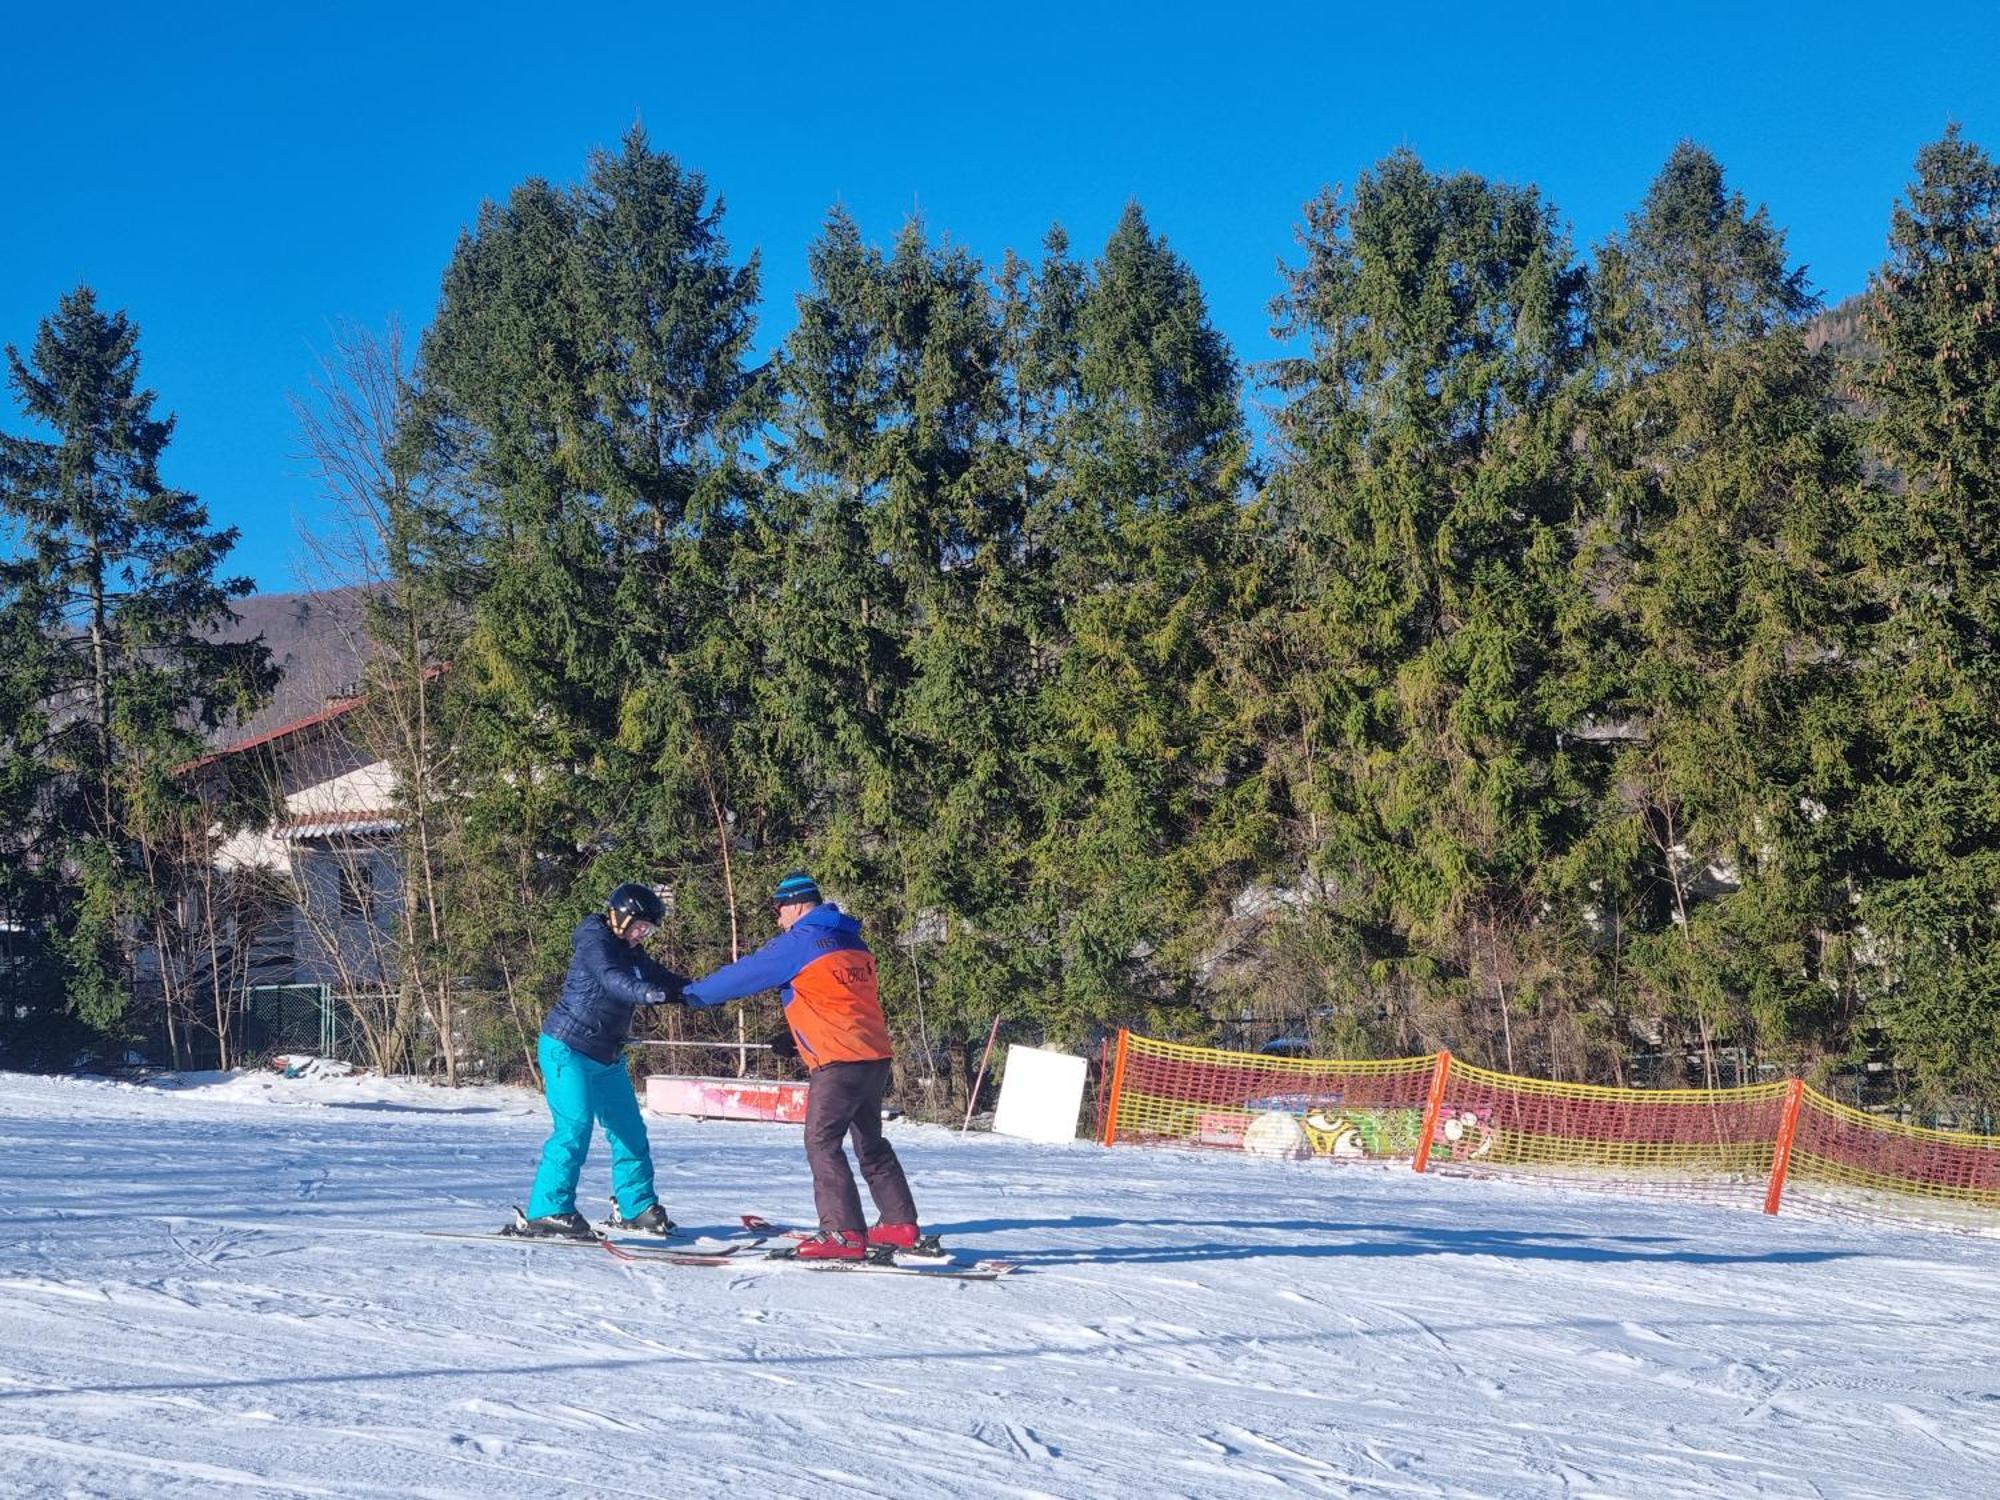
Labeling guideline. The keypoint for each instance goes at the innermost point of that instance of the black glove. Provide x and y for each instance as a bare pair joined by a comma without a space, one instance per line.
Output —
784,1045
658,996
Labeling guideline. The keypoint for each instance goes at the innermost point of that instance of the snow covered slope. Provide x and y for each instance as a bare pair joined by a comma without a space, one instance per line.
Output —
195,1300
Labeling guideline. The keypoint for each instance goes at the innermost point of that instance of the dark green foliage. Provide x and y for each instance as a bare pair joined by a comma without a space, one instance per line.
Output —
1137,522
114,597
1563,691
35,1024
1724,491
585,405
896,614
999,558
1929,800
1599,676
1421,517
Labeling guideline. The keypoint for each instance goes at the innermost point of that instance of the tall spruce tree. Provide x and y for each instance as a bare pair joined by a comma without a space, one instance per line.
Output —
832,618
33,1016
1931,804
898,619
1141,526
584,387
1414,709
115,596
1725,483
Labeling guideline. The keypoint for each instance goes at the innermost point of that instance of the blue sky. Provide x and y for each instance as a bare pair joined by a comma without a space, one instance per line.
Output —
240,178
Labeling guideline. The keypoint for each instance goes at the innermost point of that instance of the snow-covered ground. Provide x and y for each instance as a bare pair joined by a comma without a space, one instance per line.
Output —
195,1300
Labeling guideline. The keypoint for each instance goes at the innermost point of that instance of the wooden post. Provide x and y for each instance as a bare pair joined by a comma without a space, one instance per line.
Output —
985,1057
1781,1151
1117,1088
1433,1107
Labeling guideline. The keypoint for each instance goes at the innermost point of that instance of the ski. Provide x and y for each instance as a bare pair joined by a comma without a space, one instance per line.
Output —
722,1254
734,1253
983,1271
926,1250
698,1244
703,1252
926,1258
980,1270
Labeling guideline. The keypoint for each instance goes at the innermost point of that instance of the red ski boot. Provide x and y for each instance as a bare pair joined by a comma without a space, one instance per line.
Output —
895,1236
832,1244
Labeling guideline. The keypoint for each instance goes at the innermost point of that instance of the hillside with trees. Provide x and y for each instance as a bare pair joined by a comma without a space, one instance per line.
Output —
1580,657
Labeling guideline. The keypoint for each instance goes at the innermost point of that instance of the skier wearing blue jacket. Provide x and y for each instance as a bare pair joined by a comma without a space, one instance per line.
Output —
583,1070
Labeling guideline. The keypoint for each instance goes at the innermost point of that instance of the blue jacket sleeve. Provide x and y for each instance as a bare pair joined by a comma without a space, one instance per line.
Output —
623,972
671,985
775,964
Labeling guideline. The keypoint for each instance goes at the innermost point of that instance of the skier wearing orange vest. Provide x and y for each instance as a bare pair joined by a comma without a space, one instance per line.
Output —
834,1019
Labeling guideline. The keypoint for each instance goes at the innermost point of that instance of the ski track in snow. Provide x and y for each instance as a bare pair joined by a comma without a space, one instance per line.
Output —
198,1298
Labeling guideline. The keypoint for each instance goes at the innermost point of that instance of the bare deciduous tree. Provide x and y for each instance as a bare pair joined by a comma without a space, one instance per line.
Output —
351,424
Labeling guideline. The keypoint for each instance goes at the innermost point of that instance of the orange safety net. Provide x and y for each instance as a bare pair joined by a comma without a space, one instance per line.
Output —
1844,1159
1275,1106
1770,1142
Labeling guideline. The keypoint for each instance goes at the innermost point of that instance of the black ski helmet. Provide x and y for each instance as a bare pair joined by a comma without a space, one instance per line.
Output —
633,902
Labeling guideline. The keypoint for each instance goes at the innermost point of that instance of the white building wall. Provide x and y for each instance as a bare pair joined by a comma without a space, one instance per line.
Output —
369,788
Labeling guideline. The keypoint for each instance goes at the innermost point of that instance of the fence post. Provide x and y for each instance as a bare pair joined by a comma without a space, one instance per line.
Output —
1433,1107
1103,1090
1117,1088
985,1057
1781,1150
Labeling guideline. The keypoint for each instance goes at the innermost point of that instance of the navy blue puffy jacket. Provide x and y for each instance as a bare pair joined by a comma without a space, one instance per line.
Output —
607,979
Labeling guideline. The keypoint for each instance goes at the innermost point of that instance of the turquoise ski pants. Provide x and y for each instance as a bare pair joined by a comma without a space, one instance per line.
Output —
581,1093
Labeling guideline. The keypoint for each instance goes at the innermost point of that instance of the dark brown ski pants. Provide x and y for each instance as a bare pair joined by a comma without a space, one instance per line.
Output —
845,1098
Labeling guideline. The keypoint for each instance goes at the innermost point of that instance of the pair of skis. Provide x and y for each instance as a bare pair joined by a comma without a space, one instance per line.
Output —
927,1259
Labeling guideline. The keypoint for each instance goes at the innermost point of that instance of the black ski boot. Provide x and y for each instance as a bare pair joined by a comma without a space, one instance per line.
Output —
569,1226
653,1221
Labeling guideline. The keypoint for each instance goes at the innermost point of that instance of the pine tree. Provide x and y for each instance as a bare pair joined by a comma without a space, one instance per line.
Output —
899,615
584,390
34,1020
119,583
1141,526
1414,711
832,616
1725,490
1931,793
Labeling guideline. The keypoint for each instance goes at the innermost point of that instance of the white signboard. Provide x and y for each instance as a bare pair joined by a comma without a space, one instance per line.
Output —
1040,1094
